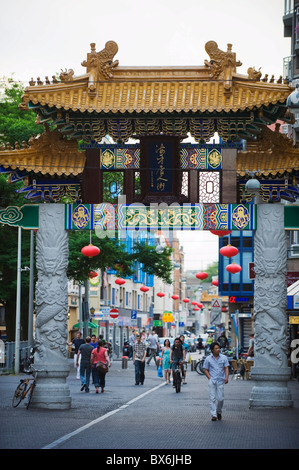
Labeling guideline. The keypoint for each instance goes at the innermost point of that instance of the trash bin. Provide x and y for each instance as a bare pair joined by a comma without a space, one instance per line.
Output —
124,362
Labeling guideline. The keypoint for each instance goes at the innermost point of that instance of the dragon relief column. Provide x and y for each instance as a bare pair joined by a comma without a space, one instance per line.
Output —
270,371
51,391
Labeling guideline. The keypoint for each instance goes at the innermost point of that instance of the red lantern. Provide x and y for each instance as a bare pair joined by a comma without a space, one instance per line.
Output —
233,268
229,251
221,233
186,300
196,309
200,305
90,251
92,274
144,288
215,283
193,302
114,313
202,275
160,294
120,282
175,297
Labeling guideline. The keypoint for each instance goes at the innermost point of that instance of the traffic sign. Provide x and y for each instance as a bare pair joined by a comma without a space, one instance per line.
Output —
133,314
216,307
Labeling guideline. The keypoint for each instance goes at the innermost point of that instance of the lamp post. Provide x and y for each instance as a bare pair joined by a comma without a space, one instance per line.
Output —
31,289
18,305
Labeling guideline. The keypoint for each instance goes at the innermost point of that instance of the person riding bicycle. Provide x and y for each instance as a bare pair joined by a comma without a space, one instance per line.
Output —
177,356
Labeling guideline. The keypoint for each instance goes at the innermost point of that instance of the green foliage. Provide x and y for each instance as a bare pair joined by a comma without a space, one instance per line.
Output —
155,263
212,270
15,125
113,254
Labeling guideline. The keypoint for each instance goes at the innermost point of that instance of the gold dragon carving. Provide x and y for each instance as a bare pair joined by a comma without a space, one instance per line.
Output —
100,65
221,64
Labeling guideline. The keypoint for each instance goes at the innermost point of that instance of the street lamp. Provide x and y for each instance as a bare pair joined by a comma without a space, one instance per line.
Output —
92,310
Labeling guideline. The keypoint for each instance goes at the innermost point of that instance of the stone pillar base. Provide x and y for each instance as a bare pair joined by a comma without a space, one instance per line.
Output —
51,390
271,389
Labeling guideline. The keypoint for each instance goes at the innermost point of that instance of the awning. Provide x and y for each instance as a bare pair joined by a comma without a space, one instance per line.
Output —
293,296
90,325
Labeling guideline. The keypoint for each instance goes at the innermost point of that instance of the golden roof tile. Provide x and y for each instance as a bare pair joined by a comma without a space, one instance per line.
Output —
109,88
48,154
271,154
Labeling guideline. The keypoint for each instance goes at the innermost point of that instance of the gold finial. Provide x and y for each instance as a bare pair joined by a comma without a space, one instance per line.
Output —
222,64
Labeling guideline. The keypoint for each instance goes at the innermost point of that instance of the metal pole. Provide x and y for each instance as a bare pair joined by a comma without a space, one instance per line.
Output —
31,289
80,310
86,316
18,305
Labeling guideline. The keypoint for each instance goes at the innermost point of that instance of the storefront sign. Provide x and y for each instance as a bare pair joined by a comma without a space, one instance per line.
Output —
233,300
294,320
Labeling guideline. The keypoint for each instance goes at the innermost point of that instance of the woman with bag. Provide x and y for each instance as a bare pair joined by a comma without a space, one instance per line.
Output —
165,359
100,362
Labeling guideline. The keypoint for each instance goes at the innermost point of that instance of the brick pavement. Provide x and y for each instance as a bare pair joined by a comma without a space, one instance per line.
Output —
151,416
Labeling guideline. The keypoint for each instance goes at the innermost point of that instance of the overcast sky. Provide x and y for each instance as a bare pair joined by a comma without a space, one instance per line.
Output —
41,38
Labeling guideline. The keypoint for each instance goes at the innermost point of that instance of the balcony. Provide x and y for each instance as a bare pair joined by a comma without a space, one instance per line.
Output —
288,18
288,68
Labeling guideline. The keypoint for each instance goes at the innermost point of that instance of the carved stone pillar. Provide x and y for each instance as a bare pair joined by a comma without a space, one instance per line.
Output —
270,370
51,310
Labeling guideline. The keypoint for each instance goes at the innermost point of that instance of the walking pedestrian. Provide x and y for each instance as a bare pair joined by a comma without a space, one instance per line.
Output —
186,347
84,354
153,346
165,359
139,355
132,341
223,341
76,343
216,369
93,341
99,354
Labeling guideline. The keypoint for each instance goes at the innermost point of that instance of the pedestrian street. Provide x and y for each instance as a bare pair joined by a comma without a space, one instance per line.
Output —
150,417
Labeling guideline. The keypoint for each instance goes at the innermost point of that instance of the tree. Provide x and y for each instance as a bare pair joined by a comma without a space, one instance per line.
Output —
15,125
113,254
212,270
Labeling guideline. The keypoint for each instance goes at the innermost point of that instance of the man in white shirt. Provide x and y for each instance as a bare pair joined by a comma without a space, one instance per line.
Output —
216,369
153,346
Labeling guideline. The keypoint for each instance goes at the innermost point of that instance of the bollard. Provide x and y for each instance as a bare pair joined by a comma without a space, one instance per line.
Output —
124,362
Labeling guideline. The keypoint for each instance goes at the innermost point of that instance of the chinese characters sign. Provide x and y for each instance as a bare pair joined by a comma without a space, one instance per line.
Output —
160,167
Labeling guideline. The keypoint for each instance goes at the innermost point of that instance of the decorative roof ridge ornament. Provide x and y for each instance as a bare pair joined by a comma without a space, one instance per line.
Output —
100,65
67,75
273,141
47,153
222,64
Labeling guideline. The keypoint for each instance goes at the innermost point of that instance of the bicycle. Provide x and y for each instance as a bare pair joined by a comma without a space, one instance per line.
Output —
25,389
199,366
177,381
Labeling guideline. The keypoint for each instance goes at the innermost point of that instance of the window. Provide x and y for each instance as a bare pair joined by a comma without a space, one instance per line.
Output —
209,187
113,184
